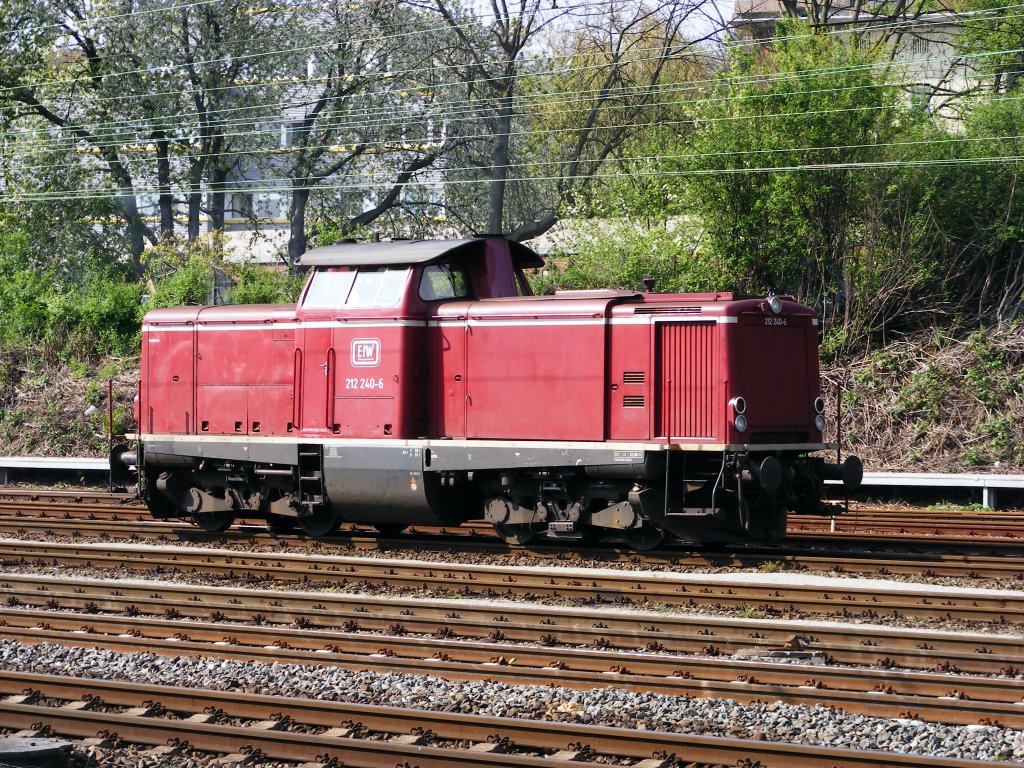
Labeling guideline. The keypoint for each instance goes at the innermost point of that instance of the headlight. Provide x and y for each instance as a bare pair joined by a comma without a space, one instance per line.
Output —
819,422
740,422
776,304
819,405
739,405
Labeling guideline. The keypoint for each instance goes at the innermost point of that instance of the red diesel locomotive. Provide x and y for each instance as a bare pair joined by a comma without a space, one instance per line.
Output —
420,382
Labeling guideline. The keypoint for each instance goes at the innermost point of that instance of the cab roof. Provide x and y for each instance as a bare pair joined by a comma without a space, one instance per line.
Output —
397,252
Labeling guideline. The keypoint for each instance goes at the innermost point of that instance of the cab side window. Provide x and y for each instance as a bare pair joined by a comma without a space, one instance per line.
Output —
439,282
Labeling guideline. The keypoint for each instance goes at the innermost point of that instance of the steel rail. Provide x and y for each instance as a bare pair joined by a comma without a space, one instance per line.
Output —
1003,568
978,528
857,510
928,696
285,745
696,676
623,587
621,742
75,504
1001,545
871,645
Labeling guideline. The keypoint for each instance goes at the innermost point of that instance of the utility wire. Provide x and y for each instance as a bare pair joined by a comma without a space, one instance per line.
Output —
414,142
377,117
397,73
373,183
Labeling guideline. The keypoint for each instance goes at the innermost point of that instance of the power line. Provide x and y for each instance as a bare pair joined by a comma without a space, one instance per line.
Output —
412,142
362,118
397,73
473,21
824,70
372,183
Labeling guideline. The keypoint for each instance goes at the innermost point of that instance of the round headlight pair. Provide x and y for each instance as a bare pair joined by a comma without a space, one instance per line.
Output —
819,420
739,407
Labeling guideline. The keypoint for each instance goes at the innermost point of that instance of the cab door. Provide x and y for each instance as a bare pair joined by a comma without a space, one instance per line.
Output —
447,334
316,366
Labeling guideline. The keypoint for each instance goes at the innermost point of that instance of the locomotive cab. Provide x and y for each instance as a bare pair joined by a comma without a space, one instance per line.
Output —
420,382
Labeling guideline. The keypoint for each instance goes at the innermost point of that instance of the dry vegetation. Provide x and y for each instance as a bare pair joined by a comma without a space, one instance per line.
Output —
60,408
936,404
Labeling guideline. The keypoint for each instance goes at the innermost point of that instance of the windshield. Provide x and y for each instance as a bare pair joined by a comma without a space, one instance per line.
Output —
367,287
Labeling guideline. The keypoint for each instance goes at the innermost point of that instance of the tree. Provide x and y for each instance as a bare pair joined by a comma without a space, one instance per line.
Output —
618,80
57,68
773,169
491,56
370,87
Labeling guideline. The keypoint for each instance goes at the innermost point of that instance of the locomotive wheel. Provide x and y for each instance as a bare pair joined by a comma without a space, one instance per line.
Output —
644,538
389,529
214,522
323,522
515,535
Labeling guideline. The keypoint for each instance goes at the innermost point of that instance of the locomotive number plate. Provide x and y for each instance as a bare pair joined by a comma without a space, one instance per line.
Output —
775,321
358,382
629,456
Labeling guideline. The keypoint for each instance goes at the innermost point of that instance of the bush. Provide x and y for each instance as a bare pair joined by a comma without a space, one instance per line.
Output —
100,318
256,284
182,273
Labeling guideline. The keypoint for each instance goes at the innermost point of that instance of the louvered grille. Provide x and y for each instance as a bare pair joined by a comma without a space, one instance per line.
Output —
685,370
633,377
633,401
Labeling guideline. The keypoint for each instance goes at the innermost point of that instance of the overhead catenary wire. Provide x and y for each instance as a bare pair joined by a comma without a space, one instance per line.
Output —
278,106
399,73
645,90
410,143
357,119
370,183
423,145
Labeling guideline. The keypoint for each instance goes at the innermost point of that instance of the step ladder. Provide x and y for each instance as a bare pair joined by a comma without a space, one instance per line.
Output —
311,477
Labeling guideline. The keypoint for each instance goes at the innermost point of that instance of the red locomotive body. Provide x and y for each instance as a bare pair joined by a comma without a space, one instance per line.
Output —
419,382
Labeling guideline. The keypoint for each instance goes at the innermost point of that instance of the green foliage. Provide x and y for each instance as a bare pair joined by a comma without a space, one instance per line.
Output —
182,272
767,170
99,315
257,284
622,255
103,316
948,507
992,42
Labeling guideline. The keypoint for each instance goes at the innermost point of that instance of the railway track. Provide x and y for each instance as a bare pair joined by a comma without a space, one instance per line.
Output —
382,735
920,522
941,677
928,522
983,654
687,592
102,615
1006,567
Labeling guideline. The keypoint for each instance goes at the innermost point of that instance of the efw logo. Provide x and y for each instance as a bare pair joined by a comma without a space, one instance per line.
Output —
365,353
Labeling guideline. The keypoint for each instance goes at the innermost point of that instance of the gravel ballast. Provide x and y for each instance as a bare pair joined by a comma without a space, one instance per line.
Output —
609,706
